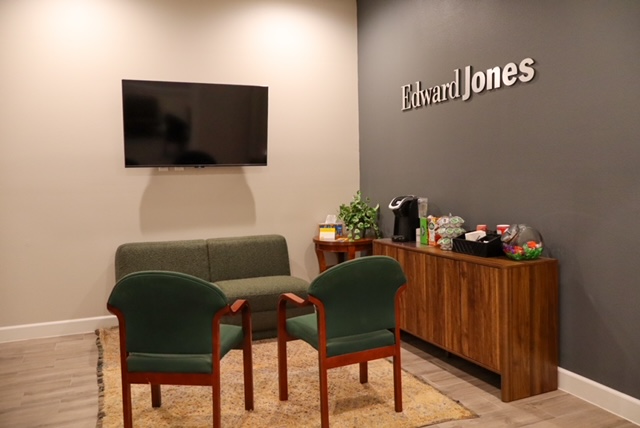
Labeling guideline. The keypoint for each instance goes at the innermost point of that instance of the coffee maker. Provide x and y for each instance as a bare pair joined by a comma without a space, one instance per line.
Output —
405,210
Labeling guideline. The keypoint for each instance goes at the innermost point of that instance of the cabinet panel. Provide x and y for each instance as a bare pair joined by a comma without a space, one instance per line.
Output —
424,309
480,323
413,308
443,288
529,335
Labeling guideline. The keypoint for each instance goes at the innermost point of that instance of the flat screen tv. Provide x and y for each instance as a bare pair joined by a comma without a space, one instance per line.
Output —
173,124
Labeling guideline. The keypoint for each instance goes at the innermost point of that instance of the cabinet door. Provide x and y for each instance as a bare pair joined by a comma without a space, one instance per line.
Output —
426,305
414,315
480,315
442,294
408,319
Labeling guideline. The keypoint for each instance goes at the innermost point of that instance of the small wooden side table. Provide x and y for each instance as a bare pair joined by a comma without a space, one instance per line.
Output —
345,250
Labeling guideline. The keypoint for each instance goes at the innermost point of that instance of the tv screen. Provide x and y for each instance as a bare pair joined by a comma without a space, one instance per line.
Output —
173,124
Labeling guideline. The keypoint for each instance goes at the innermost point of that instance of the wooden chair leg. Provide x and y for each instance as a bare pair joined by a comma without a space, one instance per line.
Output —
324,397
215,395
156,396
364,372
247,359
283,382
126,404
397,382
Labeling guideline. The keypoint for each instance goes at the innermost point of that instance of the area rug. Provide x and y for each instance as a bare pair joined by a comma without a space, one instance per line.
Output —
352,404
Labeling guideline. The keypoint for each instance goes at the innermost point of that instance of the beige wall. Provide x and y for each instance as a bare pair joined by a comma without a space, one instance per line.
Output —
67,202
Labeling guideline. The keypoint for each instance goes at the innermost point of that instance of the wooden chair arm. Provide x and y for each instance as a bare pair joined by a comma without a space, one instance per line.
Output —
294,299
282,312
242,306
239,305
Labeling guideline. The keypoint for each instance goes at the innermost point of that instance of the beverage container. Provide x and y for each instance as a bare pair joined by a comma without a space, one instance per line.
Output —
423,205
432,225
501,228
424,231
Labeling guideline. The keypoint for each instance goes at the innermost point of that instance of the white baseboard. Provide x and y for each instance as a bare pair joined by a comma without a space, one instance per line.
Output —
613,401
56,328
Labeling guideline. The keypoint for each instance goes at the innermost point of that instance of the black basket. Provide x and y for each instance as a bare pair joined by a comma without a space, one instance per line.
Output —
488,246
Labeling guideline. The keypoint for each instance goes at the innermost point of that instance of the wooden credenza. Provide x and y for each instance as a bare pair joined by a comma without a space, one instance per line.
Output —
495,312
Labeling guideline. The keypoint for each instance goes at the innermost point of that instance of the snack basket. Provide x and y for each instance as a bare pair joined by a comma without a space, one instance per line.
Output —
488,246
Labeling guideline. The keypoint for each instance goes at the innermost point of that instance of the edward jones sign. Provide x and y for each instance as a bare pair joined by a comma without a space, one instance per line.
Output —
414,96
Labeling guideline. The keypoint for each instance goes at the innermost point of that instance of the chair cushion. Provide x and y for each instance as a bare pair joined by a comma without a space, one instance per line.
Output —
359,342
305,327
170,363
230,337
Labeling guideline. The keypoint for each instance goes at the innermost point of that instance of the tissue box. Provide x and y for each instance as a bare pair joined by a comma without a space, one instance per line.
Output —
475,235
330,231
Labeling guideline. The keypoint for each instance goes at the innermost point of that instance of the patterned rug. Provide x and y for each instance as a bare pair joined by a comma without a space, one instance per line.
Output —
351,403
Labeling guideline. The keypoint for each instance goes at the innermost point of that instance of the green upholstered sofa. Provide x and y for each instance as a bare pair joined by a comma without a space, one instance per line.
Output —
255,268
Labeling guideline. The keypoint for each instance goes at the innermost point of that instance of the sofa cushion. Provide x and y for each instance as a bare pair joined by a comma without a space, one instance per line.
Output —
247,257
265,323
263,293
188,256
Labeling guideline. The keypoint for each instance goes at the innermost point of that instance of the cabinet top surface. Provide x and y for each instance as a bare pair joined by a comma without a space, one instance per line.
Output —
360,242
499,262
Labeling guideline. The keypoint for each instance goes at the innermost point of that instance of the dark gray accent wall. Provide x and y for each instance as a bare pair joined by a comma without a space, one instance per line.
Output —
560,153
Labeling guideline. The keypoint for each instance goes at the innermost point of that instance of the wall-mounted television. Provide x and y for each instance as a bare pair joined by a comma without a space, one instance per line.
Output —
175,124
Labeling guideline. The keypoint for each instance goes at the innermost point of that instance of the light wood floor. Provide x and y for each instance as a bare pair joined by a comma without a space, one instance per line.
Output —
52,383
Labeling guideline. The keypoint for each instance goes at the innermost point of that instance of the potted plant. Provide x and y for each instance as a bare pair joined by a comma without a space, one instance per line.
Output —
359,216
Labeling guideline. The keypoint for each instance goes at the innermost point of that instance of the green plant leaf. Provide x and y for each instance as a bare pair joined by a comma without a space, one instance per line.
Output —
358,216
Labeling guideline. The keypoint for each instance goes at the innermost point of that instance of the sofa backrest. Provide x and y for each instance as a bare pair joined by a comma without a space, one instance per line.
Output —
248,257
188,256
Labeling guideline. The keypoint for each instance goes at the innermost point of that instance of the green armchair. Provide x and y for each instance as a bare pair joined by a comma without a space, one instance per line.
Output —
356,321
171,334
